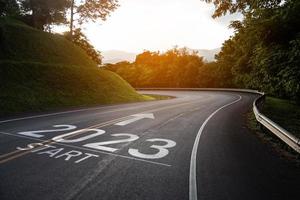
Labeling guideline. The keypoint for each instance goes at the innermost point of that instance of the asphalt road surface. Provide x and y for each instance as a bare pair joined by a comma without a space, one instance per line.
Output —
194,146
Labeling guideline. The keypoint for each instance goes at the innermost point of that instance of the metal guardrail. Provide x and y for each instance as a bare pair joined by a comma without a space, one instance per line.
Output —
280,132
204,89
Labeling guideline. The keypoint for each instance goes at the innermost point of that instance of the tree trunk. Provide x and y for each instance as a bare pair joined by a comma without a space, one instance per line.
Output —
71,22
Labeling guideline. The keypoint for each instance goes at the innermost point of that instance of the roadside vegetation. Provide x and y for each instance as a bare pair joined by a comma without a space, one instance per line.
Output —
286,114
283,112
158,97
42,71
174,68
264,52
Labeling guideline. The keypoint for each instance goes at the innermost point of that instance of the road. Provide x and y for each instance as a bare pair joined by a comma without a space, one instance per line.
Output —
194,146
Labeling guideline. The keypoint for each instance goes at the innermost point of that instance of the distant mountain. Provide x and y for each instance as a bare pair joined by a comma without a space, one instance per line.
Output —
114,56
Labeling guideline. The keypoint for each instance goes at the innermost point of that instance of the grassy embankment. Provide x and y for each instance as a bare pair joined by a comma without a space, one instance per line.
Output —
42,71
283,112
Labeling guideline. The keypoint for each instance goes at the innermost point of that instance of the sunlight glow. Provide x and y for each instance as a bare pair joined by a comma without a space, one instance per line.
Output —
159,25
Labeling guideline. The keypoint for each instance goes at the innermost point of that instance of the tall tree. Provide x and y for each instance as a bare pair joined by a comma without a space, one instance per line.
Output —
9,8
43,13
245,7
91,10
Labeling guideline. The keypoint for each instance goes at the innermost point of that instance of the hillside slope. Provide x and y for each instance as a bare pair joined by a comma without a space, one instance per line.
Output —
41,71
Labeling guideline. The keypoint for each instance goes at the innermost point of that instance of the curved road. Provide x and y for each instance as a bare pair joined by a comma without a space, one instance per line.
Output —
195,146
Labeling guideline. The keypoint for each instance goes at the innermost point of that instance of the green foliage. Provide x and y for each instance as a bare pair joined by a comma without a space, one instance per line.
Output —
264,52
246,7
27,86
79,39
93,10
90,11
20,42
174,68
283,112
41,14
9,8
41,71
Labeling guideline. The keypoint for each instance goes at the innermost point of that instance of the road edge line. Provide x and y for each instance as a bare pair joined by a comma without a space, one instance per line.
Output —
193,178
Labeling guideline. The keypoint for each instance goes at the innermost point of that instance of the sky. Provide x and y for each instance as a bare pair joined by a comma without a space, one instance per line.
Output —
154,25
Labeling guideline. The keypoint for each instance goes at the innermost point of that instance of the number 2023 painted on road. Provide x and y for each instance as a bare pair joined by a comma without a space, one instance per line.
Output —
65,138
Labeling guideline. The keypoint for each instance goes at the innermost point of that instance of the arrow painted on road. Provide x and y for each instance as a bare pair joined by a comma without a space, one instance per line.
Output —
135,118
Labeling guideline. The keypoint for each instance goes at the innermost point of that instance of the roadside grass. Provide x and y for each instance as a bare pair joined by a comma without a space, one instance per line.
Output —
283,112
39,87
158,97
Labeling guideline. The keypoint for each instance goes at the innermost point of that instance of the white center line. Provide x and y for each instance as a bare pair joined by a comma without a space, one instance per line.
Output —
193,178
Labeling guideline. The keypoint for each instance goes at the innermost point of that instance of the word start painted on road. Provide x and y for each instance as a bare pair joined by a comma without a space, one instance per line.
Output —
56,152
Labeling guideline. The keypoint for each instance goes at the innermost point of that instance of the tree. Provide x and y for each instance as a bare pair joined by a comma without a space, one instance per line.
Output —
91,10
81,40
9,8
43,13
174,68
264,52
246,7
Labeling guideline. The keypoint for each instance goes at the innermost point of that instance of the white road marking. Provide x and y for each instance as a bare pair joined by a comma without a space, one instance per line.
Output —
70,154
88,149
34,133
88,155
135,118
162,149
60,138
101,145
51,152
54,151
193,178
